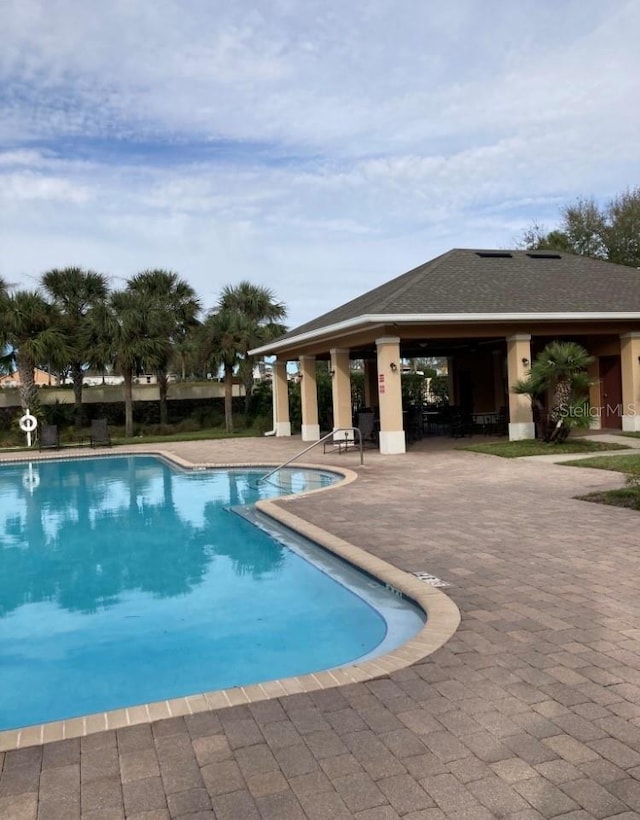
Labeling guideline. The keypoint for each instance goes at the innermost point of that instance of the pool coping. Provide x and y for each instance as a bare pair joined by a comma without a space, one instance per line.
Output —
443,618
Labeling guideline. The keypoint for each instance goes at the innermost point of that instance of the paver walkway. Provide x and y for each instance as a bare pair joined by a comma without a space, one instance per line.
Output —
531,710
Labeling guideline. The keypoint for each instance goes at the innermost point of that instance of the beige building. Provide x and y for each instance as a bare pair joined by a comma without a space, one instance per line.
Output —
489,313
42,379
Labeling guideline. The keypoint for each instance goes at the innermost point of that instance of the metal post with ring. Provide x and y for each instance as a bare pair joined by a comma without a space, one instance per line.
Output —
28,424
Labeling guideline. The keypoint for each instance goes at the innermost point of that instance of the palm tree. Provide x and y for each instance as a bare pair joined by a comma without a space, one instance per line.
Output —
4,292
178,308
75,292
30,329
128,332
225,336
185,353
560,370
263,315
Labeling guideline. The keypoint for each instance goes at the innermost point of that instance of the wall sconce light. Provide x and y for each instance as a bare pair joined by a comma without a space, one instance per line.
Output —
638,359
394,367
332,372
525,361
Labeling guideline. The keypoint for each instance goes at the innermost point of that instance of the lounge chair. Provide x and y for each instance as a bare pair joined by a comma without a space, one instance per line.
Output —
49,437
100,433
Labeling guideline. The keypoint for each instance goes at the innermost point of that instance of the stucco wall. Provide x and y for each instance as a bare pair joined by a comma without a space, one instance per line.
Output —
10,397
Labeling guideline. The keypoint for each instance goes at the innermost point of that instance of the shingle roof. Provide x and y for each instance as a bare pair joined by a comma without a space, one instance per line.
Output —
494,282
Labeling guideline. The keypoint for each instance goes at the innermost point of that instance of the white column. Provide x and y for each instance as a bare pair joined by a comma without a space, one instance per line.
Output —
281,399
521,424
630,366
451,385
341,391
593,369
309,399
392,438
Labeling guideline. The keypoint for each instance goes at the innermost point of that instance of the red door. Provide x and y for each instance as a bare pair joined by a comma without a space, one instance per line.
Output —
611,392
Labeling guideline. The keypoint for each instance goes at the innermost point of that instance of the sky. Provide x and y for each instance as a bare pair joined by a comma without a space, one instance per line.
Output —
318,148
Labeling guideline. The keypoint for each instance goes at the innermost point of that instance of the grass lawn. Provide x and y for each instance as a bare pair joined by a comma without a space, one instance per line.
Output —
628,497
531,447
198,435
629,464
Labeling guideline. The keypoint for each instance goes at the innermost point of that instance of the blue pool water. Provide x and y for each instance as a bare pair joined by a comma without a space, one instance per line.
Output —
126,581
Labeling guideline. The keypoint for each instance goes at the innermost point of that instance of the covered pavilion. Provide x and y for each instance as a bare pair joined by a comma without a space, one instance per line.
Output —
489,312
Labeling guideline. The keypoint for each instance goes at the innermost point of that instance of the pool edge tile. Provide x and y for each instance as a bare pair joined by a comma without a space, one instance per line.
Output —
197,703
74,727
178,707
96,723
117,719
51,732
9,740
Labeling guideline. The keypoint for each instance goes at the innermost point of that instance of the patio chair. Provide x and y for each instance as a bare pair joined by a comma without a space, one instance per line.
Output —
460,423
502,422
99,433
366,423
49,437
413,427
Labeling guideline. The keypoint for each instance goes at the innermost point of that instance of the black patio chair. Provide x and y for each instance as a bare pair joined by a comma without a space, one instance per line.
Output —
366,423
100,433
502,422
413,424
49,437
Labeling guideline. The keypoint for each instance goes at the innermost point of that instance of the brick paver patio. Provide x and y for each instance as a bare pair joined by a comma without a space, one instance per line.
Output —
531,710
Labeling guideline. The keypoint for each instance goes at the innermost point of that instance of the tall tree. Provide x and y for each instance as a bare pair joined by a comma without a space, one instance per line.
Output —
128,332
4,292
225,336
177,309
263,315
611,232
29,327
75,292
623,229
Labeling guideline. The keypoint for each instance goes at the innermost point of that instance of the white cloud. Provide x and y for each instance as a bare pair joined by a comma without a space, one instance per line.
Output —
327,143
29,186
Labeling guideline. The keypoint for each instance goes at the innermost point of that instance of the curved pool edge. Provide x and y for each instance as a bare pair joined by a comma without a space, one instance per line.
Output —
443,619
443,615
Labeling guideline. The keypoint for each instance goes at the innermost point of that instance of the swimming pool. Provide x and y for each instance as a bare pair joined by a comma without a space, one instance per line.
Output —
125,580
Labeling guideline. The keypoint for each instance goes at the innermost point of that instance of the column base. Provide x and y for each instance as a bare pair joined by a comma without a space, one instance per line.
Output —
283,428
392,442
521,430
310,432
631,423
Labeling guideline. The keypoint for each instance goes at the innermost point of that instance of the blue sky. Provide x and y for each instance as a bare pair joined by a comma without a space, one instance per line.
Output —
319,148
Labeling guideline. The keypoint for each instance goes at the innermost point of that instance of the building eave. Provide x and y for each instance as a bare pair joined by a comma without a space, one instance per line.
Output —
367,321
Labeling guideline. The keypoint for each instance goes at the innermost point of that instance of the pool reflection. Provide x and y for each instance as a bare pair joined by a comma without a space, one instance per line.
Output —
83,532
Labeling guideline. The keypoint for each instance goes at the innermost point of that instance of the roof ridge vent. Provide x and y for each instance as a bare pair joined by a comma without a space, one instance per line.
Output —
494,254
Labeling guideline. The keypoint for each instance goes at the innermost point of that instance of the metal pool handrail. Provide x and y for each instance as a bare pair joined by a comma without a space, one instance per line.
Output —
315,444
